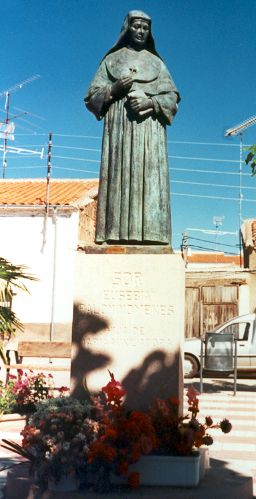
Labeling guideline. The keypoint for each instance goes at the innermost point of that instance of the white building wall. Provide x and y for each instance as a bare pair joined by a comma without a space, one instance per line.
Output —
22,236
244,299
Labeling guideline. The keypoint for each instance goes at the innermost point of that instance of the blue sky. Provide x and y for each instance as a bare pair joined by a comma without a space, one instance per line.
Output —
209,48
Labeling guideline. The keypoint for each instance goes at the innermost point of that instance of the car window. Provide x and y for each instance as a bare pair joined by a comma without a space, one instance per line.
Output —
239,329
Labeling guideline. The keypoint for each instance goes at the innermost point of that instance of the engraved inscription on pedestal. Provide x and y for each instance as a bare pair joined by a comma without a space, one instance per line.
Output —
140,301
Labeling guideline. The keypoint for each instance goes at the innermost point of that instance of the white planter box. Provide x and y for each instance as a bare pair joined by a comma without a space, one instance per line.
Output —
176,471
65,484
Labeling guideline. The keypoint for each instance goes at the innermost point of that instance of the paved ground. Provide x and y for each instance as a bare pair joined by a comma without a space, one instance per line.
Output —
235,451
237,448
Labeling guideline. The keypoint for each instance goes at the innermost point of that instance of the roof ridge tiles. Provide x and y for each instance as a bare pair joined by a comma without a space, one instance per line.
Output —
29,192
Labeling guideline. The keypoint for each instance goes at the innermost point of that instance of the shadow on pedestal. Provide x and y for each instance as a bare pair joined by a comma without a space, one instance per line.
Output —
84,360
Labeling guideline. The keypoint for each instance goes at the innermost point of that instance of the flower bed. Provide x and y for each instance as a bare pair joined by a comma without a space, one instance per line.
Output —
99,440
22,392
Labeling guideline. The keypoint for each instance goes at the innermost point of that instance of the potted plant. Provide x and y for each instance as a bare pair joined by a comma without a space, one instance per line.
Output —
123,437
180,457
55,441
160,447
104,443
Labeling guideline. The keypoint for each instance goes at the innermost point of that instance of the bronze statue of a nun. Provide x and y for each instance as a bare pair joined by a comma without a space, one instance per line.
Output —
135,94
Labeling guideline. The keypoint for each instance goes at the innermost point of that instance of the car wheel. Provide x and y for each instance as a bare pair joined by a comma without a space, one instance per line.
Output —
191,366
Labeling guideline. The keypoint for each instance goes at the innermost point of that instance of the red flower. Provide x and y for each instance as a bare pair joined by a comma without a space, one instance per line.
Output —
111,433
174,401
208,421
63,389
207,440
134,480
135,454
146,444
225,426
122,468
101,450
114,391
192,393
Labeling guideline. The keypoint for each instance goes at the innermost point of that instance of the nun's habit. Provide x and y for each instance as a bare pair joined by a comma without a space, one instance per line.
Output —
134,198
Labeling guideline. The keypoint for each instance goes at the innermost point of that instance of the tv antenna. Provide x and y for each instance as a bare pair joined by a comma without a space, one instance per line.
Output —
239,130
8,125
217,221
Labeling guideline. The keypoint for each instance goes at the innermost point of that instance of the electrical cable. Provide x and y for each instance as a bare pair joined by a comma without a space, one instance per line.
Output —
211,197
212,185
206,159
98,137
72,169
24,167
209,171
172,157
76,159
64,147
212,242
201,143
211,249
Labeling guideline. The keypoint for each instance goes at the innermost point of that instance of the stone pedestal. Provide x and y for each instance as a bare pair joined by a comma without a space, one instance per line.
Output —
129,318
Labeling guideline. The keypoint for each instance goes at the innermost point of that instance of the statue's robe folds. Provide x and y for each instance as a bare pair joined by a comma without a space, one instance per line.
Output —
134,198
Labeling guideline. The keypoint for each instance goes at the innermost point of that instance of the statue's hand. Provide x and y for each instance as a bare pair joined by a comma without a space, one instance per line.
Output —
121,86
140,104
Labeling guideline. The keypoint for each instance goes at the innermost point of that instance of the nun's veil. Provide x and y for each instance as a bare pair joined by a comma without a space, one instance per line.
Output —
123,39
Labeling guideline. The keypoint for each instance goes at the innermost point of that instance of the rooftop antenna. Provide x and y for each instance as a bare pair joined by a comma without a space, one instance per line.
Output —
184,248
9,126
49,168
217,221
239,130
47,193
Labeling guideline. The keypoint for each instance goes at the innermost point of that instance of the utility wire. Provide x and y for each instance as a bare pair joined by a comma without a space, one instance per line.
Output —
24,167
72,169
171,168
77,159
62,135
211,249
65,147
206,159
192,158
208,171
170,156
211,185
98,137
212,242
211,197
201,143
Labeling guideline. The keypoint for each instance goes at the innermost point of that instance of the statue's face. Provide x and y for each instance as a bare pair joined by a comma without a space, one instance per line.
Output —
139,31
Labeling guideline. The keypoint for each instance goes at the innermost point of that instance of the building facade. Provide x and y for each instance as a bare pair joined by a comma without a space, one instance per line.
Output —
42,227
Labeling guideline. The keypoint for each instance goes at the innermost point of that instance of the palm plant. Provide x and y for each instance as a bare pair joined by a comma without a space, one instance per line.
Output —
11,279
251,159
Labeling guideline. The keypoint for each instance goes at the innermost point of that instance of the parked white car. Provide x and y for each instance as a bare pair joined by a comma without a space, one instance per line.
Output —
244,329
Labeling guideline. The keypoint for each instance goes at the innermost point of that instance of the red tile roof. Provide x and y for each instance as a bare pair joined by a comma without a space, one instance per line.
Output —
213,258
33,191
